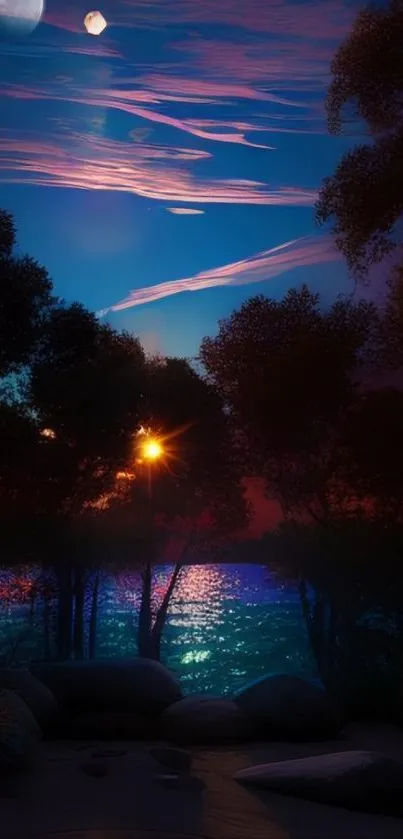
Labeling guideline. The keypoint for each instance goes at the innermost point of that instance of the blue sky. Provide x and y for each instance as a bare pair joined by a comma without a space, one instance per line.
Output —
166,170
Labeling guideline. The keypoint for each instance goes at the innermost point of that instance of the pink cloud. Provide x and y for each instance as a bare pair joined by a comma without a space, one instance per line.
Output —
90,162
283,41
125,101
311,19
204,87
258,268
184,211
302,64
131,102
27,49
94,50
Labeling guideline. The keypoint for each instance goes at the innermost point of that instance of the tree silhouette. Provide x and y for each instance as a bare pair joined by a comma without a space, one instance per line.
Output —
25,300
286,371
363,199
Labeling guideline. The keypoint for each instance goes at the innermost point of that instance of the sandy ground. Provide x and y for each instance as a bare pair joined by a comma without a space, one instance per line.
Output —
60,800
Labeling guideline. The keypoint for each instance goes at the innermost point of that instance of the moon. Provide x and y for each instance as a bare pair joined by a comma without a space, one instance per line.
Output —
20,17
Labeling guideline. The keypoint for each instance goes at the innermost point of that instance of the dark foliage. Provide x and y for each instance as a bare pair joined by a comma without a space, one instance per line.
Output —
363,199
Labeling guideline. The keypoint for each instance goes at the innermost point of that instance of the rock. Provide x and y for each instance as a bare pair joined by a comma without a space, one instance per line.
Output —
204,719
17,748
139,685
14,708
356,780
35,694
289,708
95,769
104,725
177,759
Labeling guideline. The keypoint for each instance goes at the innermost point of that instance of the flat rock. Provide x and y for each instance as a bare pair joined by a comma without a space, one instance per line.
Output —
289,708
205,720
356,780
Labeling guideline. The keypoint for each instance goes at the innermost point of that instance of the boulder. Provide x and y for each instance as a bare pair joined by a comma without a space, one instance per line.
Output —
19,734
290,708
139,685
35,694
104,725
14,708
17,748
356,780
204,719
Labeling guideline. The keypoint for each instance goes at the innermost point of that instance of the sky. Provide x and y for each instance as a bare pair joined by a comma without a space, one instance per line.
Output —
166,170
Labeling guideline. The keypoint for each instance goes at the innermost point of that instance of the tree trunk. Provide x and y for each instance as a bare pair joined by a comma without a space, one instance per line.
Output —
144,639
159,623
322,629
65,610
78,628
47,650
32,599
92,634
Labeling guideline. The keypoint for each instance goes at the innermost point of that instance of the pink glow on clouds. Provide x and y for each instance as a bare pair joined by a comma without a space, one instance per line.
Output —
184,211
312,19
258,268
127,101
203,87
27,49
89,162
301,64
123,100
295,40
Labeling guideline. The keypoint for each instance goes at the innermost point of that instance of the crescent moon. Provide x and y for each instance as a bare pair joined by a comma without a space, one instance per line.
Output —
20,16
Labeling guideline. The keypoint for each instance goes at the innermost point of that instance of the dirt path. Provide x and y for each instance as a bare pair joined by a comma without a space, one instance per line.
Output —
125,792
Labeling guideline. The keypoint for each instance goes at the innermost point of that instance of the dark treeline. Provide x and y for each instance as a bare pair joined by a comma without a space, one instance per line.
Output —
310,399
72,492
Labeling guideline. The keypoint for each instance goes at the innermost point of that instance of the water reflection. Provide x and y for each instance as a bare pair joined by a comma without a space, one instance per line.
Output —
227,624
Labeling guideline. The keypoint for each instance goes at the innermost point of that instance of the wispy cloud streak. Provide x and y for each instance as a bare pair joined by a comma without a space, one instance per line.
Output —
312,19
89,162
132,102
204,87
184,211
263,266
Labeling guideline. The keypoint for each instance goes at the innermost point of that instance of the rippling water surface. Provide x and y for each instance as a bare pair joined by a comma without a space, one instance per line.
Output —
227,625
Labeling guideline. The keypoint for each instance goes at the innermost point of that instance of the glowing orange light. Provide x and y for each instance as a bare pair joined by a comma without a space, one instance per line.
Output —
152,449
48,433
125,476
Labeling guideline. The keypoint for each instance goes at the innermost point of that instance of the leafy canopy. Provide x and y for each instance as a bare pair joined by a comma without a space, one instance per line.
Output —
287,371
363,200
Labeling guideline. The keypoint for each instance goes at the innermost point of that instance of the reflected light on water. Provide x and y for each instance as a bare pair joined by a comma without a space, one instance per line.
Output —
226,624
198,600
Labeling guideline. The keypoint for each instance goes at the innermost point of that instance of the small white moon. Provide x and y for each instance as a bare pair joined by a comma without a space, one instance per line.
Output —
20,17
95,23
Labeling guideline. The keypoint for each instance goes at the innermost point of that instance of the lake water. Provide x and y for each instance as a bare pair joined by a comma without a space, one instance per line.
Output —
227,624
